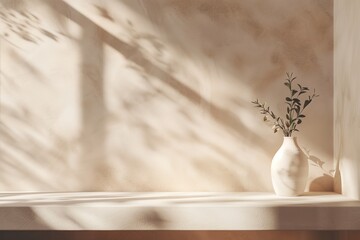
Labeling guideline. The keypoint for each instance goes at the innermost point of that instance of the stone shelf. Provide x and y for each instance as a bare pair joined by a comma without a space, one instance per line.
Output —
176,211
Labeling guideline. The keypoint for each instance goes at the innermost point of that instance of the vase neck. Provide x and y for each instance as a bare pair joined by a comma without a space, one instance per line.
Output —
290,141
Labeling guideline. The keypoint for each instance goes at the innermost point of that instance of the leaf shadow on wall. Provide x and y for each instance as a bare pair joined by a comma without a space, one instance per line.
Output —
22,24
263,35
324,183
94,169
27,161
94,37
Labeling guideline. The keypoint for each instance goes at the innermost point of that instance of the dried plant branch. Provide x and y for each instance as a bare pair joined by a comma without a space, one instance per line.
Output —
294,108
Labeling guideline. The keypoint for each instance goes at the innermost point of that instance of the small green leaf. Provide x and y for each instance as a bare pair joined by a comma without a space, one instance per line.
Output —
301,116
299,121
288,99
286,84
307,102
296,100
287,117
301,92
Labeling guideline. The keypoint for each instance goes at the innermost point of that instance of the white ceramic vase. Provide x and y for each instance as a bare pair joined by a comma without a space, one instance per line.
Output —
289,169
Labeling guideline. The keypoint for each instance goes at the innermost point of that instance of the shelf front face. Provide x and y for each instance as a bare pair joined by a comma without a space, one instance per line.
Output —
176,211
166,199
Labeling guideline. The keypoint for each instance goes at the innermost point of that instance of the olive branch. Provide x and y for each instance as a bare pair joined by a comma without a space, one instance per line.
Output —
294,108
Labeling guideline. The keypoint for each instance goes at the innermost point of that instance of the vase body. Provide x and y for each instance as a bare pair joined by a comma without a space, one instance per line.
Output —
289,169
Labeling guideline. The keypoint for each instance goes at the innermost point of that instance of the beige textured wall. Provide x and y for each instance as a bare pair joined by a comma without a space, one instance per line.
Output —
155,95
346,96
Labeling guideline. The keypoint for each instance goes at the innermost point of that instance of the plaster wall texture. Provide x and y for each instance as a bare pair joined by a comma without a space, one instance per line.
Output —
346,97
155,95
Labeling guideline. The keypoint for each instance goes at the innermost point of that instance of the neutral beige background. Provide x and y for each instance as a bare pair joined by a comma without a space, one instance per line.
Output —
155,95
346,94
